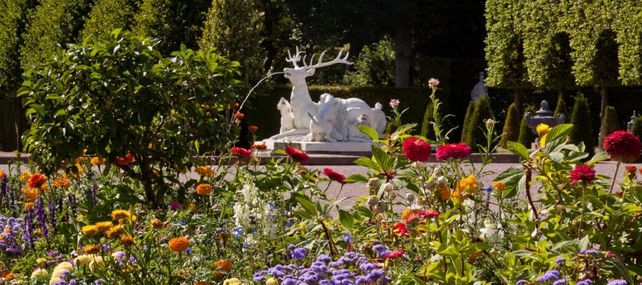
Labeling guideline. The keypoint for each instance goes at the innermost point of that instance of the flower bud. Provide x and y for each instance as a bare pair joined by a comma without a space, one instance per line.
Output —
379,208
411,197
490,123
374,182
388,187
372,201
442,180
419,165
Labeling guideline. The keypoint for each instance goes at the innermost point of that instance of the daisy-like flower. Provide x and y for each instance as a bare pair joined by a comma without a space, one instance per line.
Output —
178,244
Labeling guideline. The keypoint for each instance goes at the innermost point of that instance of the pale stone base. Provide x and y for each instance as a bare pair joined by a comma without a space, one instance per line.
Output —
321,147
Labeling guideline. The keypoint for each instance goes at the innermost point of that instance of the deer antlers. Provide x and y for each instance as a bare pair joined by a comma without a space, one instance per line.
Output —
308,65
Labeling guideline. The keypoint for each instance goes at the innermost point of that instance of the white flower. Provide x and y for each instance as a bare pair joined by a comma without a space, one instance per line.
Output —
442,180
39,273
491,232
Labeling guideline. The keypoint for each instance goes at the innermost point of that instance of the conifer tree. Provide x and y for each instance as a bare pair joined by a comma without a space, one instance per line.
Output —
526,134
581,120
466,126
426,126
609,124
107,15
477,126
511,126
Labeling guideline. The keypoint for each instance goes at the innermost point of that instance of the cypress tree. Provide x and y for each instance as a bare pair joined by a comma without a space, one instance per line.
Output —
107,15
560,107
581,120
466,126
477,126
609,124
511,126
13,21
636,129
426,126
526,135
54,23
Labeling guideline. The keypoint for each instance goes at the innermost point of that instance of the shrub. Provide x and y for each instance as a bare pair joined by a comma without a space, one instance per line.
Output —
526,135
511,126
466,125
107,15
477,125
375,66
560,107
636,129
581,120
121,96
609,123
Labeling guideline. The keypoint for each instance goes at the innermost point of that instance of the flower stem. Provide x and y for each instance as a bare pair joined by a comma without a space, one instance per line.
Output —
617,168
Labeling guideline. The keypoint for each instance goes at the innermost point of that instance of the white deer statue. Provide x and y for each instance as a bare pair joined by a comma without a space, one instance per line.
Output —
330,119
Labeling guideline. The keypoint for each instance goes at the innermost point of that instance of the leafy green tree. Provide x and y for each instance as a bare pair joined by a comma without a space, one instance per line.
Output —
526,135
477,125
173,22
121,96
466,126
54,23
609,124
375,65
108,15
234,29
582,127
511,126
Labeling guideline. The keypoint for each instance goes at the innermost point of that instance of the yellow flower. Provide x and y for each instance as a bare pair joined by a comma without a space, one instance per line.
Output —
24,177
41,261
96,263
469,184
127,240
62,182
97,161
39,273
64,265
542,129
272,281
118,215
103,226
84,259
115,231
232,281
499,186
91,248
89,230
204,171
406,213
2,174
542,140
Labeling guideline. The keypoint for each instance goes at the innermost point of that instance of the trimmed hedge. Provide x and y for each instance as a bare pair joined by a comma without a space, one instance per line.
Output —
466,125
609,124
511,126
477,127
526,135
581,120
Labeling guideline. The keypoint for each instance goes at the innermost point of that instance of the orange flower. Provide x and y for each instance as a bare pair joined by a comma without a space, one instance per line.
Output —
223,265
127,240
30,194
2,174
121,215
89,230
444,193
204,170
406,213
62,182
399,229
259,146
157,224
239,115
178,244
97,160
115,231
252,128
203,189
104,226
499,186
126,160
91,248
37,180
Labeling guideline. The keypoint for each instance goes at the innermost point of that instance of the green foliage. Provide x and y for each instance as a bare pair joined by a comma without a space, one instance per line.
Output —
511,126
477,125
426,126
560,106
636,128
54,23
466,125
163,110
13,21
108,15
591,28
375,66
526,135
609,124
581,120
173,22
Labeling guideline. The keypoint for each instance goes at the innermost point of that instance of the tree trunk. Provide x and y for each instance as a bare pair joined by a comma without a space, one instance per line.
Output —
605,96
403,56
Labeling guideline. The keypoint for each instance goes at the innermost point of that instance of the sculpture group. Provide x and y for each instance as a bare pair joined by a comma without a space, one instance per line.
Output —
328,120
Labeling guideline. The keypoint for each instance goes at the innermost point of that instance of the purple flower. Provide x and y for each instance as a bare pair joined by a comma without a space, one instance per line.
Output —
347,238
378,248
560,260
487,189
299,253
585,282
618,282
41,216
550,275
589,251
188,251
521,282
560,282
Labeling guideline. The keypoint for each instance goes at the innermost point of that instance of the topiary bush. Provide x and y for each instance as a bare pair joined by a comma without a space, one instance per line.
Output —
637,126
582,127
477,125
511,126
466,125
609,124
426,126
560,106
526,135
120,99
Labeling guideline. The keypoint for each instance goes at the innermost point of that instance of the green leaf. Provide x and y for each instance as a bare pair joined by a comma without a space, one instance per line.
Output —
599,156
356,178
369,131
367,162
559,131
511,178
305,203
450,251
518,149
346,219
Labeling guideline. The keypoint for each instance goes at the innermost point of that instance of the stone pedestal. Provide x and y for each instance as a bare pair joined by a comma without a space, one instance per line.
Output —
322,147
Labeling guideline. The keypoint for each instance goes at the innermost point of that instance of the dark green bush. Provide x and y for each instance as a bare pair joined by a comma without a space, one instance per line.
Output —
609,124
375,66
526,135
477,127
466,125
511,126
582,127
107,15
426,126
560,107
637,126
120,95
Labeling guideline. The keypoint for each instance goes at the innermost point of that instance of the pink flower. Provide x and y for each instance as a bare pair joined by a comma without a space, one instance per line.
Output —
423,214
623,146
296,154
241,152
394,254
433,82
394,103
582,173
334,175
453,150
174,204
416,149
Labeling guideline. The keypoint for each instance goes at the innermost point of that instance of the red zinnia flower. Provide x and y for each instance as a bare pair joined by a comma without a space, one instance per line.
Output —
416,149
125,160
630,168
428,214
623,146
296,154
582,173
37,180
241,152
252,128
399,229
334,175
453,150
394,254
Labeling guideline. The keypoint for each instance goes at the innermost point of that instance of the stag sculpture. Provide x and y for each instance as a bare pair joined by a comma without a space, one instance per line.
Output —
330,119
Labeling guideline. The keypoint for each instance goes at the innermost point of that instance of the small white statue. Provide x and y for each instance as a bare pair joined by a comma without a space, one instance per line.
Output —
287,116
479,90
